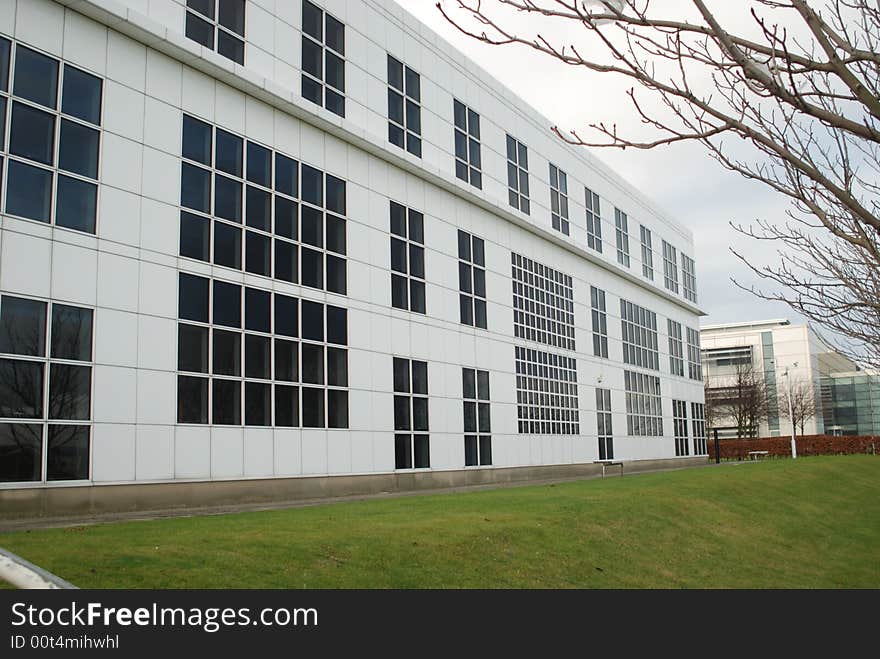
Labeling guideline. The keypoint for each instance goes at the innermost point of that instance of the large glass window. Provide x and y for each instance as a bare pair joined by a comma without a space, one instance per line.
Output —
468,157
323,58
477,417
518,174
263,220
639,330
644,414
53,146
411,438
676,353
594,220
543,303
217,25
647,252
689,278
680,423
604,430
559,199
472,279
404,107
260,359
407,258
621,231
600,322
670,267
546,393
45,390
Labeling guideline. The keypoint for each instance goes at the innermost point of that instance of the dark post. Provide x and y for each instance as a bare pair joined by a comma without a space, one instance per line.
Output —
717,450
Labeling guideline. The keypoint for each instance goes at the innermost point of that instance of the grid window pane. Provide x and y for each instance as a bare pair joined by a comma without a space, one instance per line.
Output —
21,451
67,453
36,77
22,326
77,204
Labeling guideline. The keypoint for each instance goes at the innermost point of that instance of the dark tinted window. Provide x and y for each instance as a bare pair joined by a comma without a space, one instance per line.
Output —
257,310
257,404
5,47
259,214
286,406
337,325
337,409
192,348
227,353
259,165
70,392
197,140
335,195
192,399
227,198
227,304
28,191
227,245
256,357
312,23
230,47
312,407
71,333
77,204
229,152
256,258
226,406
286,175
192,303
231,15
335,35
199,30
21,389
286,315
312,186
81,97
286,360
337,367
22,326
67,453
312,320
419,377
195,236
32,135
195,188
79,149
312,363
21,446
36,77
401,375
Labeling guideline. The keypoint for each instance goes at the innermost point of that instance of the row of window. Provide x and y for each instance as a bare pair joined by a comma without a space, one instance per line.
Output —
546,393
698,428
543,303
45,390
220,25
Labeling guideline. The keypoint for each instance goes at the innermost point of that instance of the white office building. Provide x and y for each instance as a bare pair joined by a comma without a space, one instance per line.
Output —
273,244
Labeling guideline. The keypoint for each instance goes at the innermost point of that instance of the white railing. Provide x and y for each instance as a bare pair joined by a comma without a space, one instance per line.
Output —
24,574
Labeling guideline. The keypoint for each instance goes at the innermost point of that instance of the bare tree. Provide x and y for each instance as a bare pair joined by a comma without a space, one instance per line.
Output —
800,88
741,398
803,403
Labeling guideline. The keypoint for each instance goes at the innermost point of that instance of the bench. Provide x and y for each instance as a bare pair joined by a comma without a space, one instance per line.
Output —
754,455
609,463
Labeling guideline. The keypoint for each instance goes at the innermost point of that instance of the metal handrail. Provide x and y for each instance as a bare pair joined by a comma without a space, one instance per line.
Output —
24,574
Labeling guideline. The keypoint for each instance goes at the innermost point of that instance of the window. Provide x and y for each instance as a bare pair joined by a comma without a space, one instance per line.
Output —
411,439
680,421
468,165
670,267
644,414
594,220
404,109
603,424
698,422
45,390
52,174
546,393
695,368
639,328
647,253
543,303
217,25
600,325
518,174
477,417
676,355
407,258
621,231
271,215
323,59
559,200
472,279
244,353
689,278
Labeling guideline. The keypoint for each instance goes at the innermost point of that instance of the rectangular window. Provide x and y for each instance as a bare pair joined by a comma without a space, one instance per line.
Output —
271,215
404,107
639,329
647,253
518,174
604,430
559,200
411,438
644,412
477,417
670,267
698,421
256,358
600,322
689,278
468,159
53,147
45,390
546,393
323,59
680,421
695,368
676,354
407,258
217,25
621,231
594,220
472,279
543,303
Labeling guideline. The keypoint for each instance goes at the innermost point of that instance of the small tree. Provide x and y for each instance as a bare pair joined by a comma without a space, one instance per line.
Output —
742,397
803,403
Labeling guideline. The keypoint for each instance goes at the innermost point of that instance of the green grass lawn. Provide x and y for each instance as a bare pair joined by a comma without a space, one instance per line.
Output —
810,523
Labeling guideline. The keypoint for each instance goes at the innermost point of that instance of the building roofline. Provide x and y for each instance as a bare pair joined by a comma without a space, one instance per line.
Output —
773,322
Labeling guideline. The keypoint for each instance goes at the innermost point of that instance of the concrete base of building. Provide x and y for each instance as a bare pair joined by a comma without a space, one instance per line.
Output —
100,500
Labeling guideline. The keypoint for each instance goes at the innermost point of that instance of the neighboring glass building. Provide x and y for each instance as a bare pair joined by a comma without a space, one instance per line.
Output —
249,240
851,403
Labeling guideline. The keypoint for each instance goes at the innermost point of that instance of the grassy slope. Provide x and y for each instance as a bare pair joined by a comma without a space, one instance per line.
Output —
813,523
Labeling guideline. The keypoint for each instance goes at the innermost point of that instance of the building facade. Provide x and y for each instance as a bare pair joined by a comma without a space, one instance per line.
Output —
851,403
265,240
780,355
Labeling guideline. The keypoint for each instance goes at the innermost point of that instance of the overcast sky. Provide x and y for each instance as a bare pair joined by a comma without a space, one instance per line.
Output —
682,179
